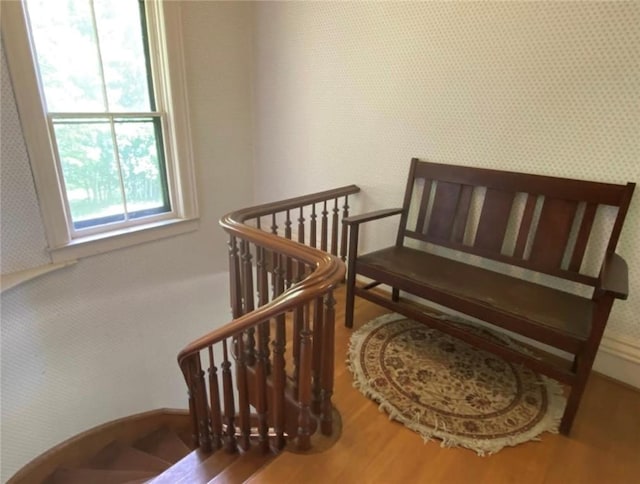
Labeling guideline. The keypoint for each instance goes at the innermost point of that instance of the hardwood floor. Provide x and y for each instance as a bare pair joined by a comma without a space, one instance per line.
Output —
604,446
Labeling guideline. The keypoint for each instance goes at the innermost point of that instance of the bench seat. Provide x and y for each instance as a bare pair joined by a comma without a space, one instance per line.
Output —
524,306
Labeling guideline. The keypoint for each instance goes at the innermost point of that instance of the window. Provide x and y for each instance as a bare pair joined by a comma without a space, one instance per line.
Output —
99,86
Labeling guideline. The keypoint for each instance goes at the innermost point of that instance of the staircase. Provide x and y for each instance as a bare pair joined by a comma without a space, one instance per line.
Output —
161,457
257,385
119,462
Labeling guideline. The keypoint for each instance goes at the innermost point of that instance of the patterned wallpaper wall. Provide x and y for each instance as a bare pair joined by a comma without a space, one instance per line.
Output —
349,92
21,225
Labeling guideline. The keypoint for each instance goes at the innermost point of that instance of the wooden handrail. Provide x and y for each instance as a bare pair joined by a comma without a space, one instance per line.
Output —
286,261
290,203
329,269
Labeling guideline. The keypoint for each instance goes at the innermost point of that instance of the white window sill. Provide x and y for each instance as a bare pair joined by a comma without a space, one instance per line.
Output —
119,239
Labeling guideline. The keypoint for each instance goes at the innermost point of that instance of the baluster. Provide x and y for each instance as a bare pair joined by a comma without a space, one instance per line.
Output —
278,275
326,424
287,226
288,265
334,228
298,319
279,378
214,402
301,221
192,405
229,405
200,396
312,234
279,375
248,300
318,348
262,366
288,272
304,386
263,298
273,256
298,316
345,229
234,279
262,370
323,227
243,394
262,274
301,234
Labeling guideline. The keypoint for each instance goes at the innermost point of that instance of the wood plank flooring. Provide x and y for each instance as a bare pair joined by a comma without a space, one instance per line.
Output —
604,446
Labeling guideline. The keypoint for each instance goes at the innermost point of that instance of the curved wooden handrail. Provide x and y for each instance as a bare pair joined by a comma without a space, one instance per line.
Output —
329,269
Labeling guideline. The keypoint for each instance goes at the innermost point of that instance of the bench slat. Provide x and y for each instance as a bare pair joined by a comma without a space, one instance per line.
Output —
552,233
424,203
494,219
443,212
525,226
583,236
462,214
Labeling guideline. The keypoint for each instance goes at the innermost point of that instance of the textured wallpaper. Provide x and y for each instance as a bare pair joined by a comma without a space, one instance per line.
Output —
349,92
21,226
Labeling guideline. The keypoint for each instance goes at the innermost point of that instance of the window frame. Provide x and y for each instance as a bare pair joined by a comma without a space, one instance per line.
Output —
164,32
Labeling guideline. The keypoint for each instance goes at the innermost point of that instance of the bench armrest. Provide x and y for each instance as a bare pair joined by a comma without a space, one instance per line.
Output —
614,276
367,217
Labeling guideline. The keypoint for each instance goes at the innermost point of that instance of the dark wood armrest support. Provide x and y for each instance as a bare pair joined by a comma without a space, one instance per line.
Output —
353,223
614,277
367,217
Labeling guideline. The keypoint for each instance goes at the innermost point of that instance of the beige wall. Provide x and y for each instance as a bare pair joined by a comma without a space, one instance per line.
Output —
349,92
99,340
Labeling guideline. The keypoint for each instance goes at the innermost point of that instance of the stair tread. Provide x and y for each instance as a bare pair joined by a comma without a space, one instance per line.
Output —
247,464
118,456
96,476
197,467
163,443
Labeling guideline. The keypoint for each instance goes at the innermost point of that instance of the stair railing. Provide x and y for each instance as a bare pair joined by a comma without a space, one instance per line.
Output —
269,372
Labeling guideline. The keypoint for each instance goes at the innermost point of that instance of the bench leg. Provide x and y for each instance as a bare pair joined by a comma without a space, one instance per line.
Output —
351,276
572,406
584,361
349,303
395,294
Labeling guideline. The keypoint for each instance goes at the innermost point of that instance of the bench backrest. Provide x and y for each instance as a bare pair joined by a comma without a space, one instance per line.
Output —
537,222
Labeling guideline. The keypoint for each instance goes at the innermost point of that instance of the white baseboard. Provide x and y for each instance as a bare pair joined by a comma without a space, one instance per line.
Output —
619,358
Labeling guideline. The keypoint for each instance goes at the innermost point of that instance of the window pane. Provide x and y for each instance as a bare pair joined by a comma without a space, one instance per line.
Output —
67,55
142,174
123,56
90,171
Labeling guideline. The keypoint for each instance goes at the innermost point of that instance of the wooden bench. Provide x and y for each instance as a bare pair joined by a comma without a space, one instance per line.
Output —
506,248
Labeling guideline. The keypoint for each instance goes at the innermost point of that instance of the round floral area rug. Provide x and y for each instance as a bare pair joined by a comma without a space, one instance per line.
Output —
442,387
